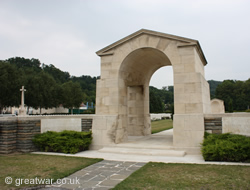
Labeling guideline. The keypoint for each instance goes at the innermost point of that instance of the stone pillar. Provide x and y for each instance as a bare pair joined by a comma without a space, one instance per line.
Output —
191,99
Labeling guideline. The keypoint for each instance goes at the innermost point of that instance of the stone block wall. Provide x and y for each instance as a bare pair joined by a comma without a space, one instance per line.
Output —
87,124
26,130
16,135
8,129
213,125
235,123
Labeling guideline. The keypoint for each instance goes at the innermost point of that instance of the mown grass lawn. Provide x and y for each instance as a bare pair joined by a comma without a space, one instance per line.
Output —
161,125
30,166
187,176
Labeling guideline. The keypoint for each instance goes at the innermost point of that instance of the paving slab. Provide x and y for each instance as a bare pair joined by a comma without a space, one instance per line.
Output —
103,175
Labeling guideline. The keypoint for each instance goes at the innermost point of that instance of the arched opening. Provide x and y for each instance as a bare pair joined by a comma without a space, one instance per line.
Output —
161,91
162,77
136,71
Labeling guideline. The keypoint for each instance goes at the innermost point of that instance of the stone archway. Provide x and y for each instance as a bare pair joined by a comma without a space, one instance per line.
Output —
136,71
122,97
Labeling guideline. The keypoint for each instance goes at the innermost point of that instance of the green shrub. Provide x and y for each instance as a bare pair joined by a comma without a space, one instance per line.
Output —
65,141
226,147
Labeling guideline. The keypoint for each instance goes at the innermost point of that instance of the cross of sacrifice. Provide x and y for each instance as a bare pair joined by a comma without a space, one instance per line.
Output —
22,98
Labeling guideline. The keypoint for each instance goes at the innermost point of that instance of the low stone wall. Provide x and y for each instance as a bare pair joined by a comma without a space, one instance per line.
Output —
16,133
235,123
87,124
26,130
8,134
213,125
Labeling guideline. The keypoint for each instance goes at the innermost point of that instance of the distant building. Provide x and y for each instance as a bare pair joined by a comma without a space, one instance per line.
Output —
83,106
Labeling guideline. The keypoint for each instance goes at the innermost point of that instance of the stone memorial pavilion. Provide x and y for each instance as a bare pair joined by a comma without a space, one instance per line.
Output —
122,96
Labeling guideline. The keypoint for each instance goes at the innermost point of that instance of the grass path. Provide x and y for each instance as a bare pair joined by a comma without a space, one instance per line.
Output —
161,125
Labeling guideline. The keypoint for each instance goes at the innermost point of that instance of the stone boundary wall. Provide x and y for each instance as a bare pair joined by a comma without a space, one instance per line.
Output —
235,123
87,124
26,130
16,133
8,134
213,125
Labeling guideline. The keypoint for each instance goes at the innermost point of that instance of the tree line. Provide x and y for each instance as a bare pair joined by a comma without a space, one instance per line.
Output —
161,100
47,86
234,93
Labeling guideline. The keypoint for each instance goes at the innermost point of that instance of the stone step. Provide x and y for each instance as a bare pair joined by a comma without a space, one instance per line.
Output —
143,151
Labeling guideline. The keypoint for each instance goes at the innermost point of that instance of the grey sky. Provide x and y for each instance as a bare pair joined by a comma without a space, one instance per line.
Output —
68,33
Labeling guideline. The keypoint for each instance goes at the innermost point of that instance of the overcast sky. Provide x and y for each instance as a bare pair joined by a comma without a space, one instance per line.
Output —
67,33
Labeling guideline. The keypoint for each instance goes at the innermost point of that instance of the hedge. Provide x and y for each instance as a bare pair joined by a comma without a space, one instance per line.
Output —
226,147
65,141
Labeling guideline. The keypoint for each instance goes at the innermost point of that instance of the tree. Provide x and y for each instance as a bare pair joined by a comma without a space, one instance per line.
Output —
213,85
43,83
224,91
9,86
59,76
42,91
156,105
88,86
23,63
235,94
230,106
72,95
164,95
247,91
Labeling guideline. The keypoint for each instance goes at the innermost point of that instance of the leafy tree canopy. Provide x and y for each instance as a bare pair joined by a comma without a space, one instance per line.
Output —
235,94
72,95
9,85
44,84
